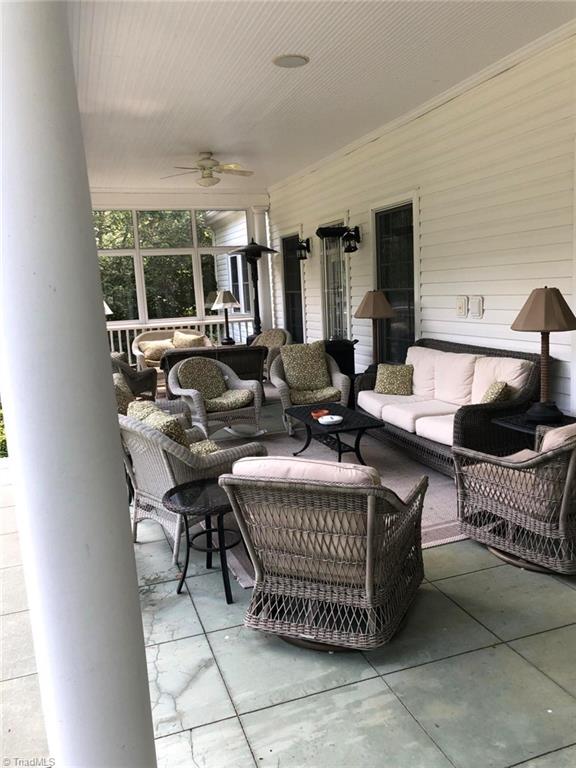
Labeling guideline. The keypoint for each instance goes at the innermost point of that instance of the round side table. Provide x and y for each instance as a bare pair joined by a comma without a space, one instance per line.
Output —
203,500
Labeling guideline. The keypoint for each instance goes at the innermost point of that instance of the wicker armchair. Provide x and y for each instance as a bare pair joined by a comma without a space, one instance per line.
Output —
188,374
336,563
339,381
155,464
273,339
141,363
524,508
141,383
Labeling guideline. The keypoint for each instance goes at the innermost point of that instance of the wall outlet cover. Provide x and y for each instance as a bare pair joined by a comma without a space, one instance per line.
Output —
476,306
461,306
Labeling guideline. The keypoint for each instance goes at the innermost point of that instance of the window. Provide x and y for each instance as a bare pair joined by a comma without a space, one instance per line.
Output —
335,288
240,281
119,285
395,265
152,268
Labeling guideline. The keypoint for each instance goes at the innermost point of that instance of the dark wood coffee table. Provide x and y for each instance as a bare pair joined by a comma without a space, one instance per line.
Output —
329,435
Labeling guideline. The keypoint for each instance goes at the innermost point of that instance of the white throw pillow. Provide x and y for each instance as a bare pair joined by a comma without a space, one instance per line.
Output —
488,370
558,438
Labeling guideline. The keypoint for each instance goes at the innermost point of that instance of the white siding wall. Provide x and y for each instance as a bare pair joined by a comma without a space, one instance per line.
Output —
493,170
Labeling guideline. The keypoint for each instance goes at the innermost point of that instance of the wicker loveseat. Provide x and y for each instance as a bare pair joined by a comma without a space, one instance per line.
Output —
427,426
143,361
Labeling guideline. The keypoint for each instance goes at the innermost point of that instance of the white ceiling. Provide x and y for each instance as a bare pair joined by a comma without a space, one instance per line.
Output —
160,81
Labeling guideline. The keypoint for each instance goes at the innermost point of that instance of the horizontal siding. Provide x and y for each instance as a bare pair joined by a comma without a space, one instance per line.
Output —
494,174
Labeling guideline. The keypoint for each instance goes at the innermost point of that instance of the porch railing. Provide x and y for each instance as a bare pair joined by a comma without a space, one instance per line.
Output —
121,335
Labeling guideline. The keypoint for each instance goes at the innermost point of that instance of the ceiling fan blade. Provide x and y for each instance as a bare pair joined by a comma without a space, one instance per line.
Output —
231,166
186,167
235,171
186,173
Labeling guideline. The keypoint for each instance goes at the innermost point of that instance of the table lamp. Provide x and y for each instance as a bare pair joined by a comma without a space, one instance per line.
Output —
545,310
107,310
375,306
226,300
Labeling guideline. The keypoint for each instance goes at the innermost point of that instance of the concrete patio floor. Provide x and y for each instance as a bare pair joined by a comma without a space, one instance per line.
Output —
481,675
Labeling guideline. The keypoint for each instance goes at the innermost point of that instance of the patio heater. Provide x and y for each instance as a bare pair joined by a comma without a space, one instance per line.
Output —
545,310
226,300
253,252
376,307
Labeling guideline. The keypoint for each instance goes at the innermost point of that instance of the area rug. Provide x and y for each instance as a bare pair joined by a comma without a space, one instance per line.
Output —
398,472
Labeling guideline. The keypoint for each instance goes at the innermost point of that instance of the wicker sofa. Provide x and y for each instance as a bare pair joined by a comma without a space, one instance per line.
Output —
445,408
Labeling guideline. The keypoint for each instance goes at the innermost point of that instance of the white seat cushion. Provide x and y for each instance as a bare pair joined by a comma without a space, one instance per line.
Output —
437,428
453,375
422,359
405,415
311,470
488,370
372,402
558,438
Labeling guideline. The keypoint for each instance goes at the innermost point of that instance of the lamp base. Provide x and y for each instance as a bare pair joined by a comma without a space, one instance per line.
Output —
227,341
544,413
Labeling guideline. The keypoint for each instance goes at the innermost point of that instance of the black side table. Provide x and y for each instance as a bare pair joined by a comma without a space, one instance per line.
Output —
519,423
202,500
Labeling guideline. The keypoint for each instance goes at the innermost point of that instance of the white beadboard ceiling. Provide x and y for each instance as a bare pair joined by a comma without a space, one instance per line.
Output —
160,81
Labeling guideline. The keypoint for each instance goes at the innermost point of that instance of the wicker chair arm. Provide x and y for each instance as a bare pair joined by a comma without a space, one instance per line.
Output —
140,360
418,490
366,380
477,457
473,427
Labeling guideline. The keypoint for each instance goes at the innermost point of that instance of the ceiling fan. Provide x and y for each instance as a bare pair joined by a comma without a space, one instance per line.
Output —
207,166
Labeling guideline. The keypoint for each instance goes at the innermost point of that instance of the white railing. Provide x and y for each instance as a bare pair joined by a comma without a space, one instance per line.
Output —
121,335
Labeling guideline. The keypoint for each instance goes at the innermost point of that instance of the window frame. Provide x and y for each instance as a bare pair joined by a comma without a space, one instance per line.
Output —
195,251
346,286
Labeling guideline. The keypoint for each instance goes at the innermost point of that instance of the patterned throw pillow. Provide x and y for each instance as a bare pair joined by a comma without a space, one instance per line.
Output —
124,395
155,417
153,350
140,409
305,366
497,391
204,447
306,397
275,337
204,375
182,340
394,379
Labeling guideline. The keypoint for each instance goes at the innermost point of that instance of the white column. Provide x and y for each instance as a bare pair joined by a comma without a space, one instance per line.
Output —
59,403
264,282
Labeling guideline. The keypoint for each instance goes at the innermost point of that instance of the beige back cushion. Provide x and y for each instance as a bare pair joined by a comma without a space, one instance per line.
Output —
184,340
306,470
558,438
422,359
153,350
491,369
305,366
453,375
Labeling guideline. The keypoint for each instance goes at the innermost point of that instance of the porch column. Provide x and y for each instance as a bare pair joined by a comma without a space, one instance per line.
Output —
57,394
264,266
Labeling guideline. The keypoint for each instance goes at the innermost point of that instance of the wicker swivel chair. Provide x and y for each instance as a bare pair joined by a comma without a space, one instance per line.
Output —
215,395
337,560
155,463
141,383
523,505
337,392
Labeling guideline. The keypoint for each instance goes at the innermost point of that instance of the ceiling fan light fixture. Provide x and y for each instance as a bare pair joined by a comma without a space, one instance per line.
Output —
207,181
291,60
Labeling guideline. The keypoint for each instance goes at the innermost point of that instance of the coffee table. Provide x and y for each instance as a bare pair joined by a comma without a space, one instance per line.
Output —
329,435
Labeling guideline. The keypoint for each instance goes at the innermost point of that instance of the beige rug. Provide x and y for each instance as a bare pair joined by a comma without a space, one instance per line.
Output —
399,472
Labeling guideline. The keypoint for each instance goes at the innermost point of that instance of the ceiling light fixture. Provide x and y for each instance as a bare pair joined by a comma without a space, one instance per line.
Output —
291,60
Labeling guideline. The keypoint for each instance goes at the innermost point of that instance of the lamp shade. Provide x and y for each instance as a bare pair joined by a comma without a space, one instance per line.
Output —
225,300
375,306
545,310
107,310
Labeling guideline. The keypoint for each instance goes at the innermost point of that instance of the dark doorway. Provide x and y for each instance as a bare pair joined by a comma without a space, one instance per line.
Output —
292,289
395,267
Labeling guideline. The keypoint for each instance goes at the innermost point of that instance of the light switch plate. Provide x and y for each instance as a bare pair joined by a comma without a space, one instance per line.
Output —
461,306
476,306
